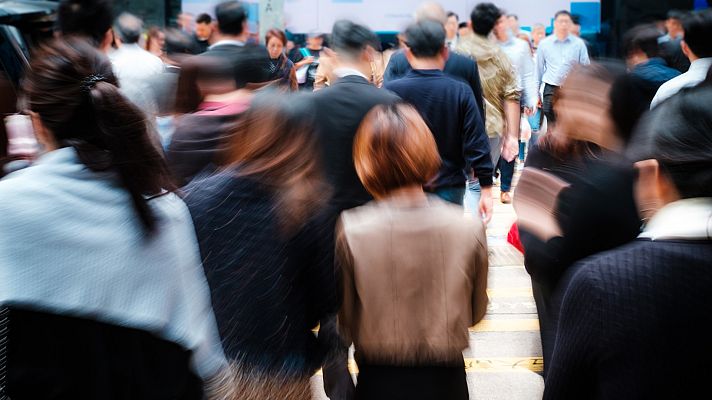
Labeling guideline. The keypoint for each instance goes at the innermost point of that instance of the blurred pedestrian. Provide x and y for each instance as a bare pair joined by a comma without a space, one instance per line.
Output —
575,196
89,19
281,68
502,95
556,55
203,31
641,51
671,42
101,273
230,42
655,289
451,34
408,331
339,110
538,34
306,60
451,113
457,66
202,138
697,46
265,251
156,42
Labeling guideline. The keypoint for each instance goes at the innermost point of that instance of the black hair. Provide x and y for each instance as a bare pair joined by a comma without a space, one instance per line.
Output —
453,14
462,25
89,18
698,32
513,16
642,38
348,37
484,17
231,16
675,14
179,42
576,19
678,134
87,111
425,38
128,27
563,12
204,19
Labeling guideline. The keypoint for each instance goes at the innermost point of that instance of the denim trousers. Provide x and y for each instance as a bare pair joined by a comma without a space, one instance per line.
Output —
453,195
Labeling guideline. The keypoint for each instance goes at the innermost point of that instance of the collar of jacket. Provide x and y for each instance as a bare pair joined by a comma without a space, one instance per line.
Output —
687,219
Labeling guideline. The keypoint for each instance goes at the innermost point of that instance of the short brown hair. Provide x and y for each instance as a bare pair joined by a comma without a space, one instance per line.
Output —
394,148
275,33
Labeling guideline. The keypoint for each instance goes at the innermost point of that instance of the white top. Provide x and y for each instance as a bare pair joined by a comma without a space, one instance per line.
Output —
345,71
228,42
137,70
556,57
693,77
683,219
521,57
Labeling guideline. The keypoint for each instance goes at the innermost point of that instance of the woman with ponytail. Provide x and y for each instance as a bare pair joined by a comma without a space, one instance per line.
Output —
102,294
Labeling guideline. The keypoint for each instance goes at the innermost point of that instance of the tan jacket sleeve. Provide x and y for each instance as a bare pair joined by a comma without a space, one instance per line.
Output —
510,86
344,262
481,267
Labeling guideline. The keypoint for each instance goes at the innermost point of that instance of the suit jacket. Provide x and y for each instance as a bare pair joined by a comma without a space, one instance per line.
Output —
339,110
457,66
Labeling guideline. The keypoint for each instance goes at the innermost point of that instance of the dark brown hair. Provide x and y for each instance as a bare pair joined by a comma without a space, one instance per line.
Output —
275,33
394,148
275,142
73,89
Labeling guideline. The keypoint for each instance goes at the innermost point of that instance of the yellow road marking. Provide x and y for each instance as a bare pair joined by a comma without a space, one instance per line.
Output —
510,292
506,325
488,364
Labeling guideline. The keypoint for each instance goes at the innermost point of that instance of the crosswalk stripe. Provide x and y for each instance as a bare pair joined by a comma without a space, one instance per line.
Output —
488,364
506,325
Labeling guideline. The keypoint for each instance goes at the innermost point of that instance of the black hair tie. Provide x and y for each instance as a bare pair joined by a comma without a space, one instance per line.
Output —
90,81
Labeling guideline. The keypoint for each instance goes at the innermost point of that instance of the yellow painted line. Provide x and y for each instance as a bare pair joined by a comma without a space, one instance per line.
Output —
499,325
489,364
510,292
506,325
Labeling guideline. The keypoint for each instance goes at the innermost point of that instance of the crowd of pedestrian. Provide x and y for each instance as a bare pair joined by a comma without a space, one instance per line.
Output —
206,217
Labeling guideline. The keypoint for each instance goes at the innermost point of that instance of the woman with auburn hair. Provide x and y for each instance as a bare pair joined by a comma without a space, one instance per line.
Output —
102,295
266,253
281,68
414,268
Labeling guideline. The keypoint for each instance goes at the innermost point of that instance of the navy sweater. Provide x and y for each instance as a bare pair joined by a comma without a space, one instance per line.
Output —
635,324
449,109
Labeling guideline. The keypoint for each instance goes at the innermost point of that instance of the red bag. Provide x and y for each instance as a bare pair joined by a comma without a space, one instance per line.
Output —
513,238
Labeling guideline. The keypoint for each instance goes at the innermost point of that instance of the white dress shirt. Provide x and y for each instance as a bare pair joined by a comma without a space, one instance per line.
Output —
694,76
137,70
519,54
555,58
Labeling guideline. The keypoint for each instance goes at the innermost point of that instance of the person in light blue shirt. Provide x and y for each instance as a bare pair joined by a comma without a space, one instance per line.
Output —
556,55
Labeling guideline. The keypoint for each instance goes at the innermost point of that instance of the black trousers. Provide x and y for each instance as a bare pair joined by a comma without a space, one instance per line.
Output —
377,382
548,103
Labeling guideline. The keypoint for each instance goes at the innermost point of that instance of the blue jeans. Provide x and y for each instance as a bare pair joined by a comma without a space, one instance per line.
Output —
472,196
506,170
453,195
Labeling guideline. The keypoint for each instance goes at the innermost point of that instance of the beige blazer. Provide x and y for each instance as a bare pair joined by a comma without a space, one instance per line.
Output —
415,280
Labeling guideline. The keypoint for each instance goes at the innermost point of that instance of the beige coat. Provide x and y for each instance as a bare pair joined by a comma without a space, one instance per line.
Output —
415,280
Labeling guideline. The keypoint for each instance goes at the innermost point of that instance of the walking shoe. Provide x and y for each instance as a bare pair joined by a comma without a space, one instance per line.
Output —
505,198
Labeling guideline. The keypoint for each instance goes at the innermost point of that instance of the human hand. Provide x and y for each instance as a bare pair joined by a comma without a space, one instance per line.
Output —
486,207
510,148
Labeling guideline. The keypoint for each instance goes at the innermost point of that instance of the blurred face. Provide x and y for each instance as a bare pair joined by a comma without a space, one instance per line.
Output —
538,34
583,110
673,26
158,43
513,24
315,43
576,30
464,31
451,27
203,31
275,47
562,25
501,29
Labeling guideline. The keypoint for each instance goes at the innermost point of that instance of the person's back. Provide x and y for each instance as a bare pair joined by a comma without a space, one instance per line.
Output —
427,247
100,268
627,312
340,108
444,103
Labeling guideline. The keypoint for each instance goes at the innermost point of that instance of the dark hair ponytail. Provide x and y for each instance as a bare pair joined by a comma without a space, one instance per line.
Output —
73,89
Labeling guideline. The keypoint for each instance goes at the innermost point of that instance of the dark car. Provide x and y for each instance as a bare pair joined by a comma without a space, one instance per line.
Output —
23,24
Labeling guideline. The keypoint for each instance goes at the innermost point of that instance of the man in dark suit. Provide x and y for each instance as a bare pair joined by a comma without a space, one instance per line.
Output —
456,66
231,39
339,110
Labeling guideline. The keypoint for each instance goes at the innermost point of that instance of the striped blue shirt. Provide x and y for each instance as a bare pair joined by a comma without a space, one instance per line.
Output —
555,58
